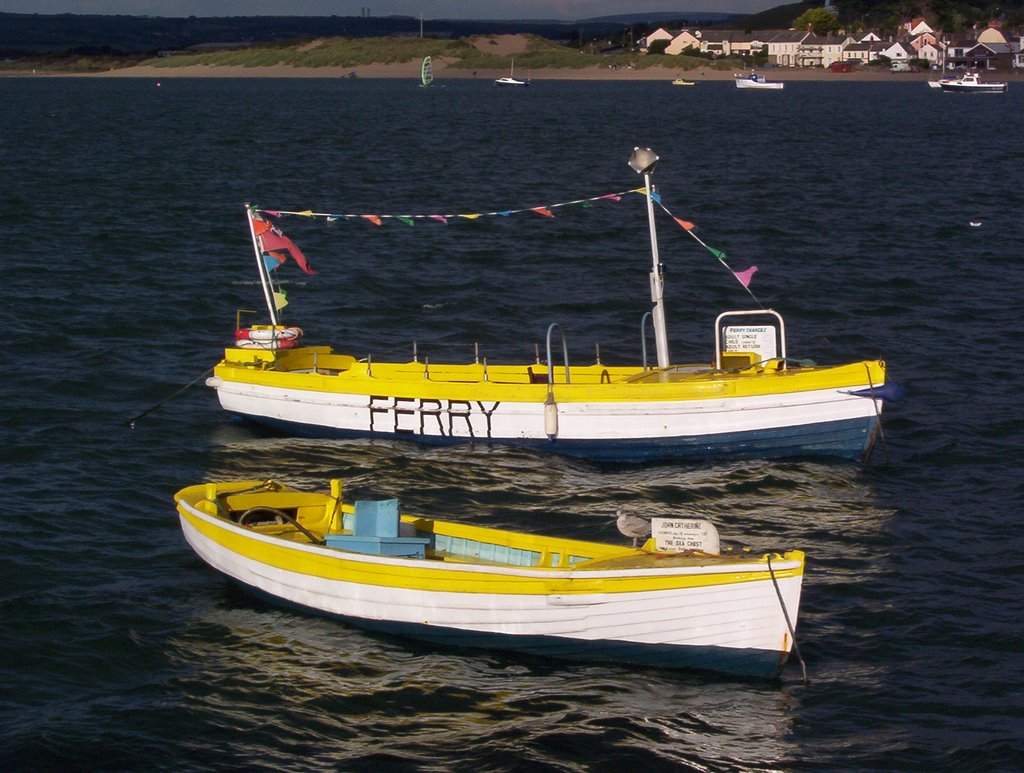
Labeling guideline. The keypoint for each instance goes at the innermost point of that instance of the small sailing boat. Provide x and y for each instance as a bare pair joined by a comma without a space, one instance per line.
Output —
511,79
426,72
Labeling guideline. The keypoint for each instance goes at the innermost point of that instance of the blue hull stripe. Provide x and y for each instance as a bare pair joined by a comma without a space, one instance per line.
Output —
847,439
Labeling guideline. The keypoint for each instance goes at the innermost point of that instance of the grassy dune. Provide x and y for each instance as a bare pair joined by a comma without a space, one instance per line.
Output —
354,52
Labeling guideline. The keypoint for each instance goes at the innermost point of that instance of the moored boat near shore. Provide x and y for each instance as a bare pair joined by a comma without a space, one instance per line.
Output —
460,585
971,83
511,79
757,81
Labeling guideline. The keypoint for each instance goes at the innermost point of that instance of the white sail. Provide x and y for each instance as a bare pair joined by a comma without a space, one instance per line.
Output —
426,72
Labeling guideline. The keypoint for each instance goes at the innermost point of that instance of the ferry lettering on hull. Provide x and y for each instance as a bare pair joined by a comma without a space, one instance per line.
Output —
418,416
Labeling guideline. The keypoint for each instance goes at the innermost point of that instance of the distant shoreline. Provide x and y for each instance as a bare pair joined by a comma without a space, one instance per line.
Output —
508,46
410,70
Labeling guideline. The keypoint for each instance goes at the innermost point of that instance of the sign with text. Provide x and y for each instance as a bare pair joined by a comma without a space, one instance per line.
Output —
752,338
674,535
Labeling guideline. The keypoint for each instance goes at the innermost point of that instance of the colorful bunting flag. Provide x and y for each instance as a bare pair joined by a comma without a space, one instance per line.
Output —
272,260
745,276
280,299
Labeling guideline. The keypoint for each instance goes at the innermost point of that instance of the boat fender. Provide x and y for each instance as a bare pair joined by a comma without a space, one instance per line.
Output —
551,417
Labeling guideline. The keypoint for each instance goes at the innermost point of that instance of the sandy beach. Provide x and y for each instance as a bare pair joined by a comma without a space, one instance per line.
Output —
502,45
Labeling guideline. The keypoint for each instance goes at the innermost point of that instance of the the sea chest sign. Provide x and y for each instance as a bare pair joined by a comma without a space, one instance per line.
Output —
445,418
674,535
752,338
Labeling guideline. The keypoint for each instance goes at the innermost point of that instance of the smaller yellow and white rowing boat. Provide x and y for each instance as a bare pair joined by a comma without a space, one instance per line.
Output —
661,604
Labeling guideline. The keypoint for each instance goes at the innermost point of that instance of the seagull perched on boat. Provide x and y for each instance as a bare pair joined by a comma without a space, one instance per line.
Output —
632,525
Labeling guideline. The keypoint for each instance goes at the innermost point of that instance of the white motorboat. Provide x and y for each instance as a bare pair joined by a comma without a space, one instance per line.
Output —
756,81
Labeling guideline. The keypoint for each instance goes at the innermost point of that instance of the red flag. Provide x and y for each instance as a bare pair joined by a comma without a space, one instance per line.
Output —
685,224
543,211
274,241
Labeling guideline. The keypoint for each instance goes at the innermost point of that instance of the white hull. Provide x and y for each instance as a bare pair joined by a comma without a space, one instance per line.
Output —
746,83
696,422
744,617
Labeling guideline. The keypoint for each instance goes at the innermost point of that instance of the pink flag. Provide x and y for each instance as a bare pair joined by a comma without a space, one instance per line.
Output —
745,276
442,218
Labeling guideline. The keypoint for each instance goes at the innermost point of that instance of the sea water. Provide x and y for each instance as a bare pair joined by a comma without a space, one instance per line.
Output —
126,256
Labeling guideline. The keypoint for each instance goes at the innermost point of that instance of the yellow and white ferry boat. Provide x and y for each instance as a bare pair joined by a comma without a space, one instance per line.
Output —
661,604
748,399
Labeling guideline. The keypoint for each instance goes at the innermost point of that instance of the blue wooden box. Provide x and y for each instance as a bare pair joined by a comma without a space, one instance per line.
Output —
375,529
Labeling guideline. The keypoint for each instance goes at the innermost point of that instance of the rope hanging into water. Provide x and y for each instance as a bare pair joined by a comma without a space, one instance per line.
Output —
131,422
789,624
878,415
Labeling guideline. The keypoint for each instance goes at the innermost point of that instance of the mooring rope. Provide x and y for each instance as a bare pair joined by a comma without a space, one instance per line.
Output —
878,414
789,624
131,422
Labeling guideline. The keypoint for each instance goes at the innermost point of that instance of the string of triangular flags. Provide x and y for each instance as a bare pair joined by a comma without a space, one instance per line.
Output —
274,242
743,277
378,219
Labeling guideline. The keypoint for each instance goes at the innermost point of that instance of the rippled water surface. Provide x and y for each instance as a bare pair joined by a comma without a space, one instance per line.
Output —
126,256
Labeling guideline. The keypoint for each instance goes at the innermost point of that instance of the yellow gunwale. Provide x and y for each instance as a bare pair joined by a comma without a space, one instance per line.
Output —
304,558
292,369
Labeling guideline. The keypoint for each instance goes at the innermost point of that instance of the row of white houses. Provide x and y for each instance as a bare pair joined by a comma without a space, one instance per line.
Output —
990,49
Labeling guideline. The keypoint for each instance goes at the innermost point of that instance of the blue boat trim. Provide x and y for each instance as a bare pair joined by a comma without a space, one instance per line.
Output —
850,439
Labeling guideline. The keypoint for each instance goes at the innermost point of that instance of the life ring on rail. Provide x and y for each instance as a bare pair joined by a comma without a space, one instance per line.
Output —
267,337
247,344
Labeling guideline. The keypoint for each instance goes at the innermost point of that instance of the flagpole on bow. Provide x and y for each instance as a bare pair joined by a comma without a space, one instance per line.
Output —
268,292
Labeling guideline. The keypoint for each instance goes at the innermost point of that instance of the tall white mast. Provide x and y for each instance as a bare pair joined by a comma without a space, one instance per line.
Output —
643,161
